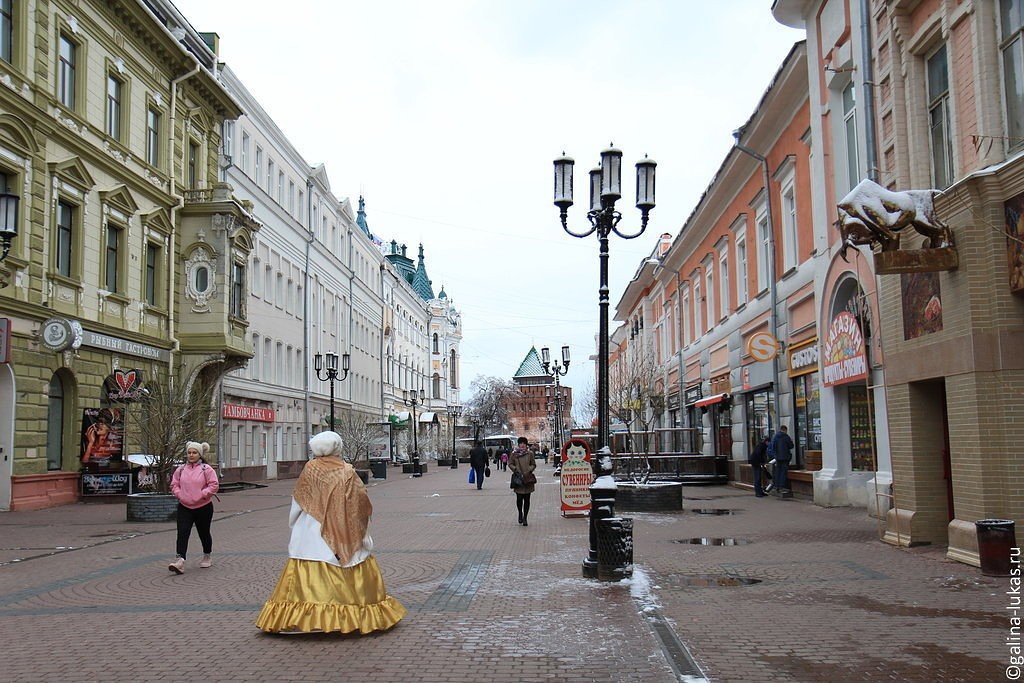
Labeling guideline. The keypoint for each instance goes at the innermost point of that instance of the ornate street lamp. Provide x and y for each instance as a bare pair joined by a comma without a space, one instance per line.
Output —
454,412
8,222
556,370
413,399
605,190
329,372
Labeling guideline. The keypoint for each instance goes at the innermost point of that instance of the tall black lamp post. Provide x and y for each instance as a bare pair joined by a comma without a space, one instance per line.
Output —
328,372
454,412
605,190
414,398
556,370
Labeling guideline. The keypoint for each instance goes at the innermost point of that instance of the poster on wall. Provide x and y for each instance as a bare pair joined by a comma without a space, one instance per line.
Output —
922,304
102,438
1014,210
844,354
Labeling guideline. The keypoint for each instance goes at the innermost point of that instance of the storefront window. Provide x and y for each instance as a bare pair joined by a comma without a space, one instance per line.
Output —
760,417
807,414
862,429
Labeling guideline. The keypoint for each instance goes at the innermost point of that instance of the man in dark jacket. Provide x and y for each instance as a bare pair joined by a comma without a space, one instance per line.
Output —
478,461
782,447
757,461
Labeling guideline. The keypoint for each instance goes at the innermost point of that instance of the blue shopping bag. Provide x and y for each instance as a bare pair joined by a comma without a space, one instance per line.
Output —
472,476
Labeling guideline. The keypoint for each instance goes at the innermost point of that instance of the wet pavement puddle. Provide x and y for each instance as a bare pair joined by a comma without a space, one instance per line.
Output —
713,541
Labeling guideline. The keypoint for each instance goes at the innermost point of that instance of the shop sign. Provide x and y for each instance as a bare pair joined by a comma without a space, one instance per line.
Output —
762,346
804,358
123,386
234,411
109,484
5,340
60,334
102,341
693,394
845,357
577,476
673,401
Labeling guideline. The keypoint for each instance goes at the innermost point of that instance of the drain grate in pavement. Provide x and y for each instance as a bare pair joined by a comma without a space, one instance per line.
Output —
677,654
712,511
460,586
712,541
711,581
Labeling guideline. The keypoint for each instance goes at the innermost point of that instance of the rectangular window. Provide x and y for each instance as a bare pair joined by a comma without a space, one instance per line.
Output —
66,72
114,89
291,197
763,244
192,170
227,143
301,205
65,238
113,249
153,137
237,289
6,31
268,285
940,137
698,303
259,167
270,177
245,152
790,247
1011,36
741,269
850,124
280,187
152,263
709,292
723,283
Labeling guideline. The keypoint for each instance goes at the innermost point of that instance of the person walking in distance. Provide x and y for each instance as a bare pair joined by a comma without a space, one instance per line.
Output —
782,448
522,463
478,461
194,484
504,458
757,461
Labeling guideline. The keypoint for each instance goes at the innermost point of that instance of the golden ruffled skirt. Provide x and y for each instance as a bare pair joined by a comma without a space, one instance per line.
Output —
319,597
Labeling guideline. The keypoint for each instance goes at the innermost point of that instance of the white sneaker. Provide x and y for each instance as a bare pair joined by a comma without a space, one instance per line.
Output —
206,562
178,566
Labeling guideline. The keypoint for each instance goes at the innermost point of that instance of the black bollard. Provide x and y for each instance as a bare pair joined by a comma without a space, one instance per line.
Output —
602,506
417,470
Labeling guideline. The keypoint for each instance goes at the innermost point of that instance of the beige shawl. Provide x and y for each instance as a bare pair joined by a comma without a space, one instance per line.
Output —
331,492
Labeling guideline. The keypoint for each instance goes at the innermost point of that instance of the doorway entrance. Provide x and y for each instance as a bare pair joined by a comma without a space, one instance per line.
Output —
7,403
930,436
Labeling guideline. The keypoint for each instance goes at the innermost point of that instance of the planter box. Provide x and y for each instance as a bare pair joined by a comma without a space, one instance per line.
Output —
409,468
152,507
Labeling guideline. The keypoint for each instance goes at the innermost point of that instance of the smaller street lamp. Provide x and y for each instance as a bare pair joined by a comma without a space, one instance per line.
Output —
329,372
413,399
556,370
454,412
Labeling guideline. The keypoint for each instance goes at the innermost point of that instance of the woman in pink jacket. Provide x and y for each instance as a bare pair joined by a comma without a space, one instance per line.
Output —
194,485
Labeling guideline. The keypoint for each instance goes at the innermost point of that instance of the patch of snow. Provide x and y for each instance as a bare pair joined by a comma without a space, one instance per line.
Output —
640,590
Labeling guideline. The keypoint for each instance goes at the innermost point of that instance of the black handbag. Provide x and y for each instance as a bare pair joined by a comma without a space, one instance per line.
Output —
487,471
529,479
517,481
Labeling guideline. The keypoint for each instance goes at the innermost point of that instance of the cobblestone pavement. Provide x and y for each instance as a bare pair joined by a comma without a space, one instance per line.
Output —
86,596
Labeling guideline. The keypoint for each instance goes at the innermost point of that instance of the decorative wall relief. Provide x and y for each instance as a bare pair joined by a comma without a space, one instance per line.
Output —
922,304
200,280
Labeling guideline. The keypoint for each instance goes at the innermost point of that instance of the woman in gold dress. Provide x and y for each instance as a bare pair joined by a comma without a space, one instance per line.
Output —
331,582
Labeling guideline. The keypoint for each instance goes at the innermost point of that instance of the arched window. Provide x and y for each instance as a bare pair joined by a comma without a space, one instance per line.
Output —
437,348
437,385
451,369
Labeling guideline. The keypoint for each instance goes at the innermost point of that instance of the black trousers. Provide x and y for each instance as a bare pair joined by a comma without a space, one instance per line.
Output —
523,504
201,517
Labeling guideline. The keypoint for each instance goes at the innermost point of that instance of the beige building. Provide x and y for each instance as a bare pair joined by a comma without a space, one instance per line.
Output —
129,254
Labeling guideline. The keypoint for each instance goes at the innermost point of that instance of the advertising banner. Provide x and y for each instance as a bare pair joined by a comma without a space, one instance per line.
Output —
102,438
844,355
234,411
106,484
577,476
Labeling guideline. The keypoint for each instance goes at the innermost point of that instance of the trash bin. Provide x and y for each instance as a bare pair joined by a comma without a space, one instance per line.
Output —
379,469
417,468
614,548
995,539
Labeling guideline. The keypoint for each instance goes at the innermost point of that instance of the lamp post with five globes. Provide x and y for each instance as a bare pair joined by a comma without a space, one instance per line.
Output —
329,372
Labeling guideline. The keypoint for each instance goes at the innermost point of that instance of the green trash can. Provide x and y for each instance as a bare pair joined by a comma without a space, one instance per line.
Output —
995,539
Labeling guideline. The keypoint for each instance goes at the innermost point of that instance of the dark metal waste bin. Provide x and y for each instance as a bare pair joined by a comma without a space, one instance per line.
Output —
995,539
614,548
379,469
417,468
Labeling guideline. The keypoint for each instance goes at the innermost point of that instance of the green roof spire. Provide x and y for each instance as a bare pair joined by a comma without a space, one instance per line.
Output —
531,365
420,282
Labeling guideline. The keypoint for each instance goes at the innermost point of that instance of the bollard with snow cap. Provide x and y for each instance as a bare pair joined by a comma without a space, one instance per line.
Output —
602,505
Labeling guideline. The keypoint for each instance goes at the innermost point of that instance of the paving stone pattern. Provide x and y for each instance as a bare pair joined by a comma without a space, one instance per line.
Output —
86,596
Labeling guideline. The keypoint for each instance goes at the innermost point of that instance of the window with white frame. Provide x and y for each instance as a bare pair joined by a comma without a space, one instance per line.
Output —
153,137
7,31
742,283
259,166
245,152
115,99
790,244
685,313
709,290
1011,44
723,281
939,127
698,304
67,66
257,349
280,187
270,177
763,250
849,96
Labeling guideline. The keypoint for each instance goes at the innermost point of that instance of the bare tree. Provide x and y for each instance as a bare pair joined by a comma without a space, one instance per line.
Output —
360,433
633,394
171,414
584,406
491,401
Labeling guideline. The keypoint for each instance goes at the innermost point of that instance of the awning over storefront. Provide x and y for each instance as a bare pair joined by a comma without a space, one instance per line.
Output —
710,400
428,417
402,416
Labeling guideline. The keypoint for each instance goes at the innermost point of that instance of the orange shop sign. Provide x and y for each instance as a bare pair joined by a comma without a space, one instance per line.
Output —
845,357
234,411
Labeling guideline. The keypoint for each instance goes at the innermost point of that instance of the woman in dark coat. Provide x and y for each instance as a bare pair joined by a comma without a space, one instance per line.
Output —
522,461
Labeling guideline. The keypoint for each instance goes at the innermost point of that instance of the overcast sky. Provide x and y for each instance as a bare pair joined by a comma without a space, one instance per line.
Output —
447,114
